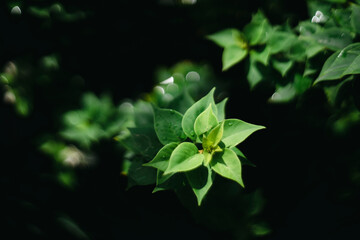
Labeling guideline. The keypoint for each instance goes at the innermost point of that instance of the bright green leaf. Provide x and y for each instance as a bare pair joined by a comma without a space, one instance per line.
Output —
200,180
161,160
221,109
184,158
227,37
205,121
228,165
167,123
341,63
194,111
214,137
232,55
236,131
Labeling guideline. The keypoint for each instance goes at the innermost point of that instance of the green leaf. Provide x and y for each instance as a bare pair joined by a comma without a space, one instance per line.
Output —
227,37
214,137
242,157
261,56
302,83
282,66
281,41
140,175
355,17
194,111
228,165
283,93
232,55
221,109
161,160
184,158
167,182
254,75
341,63
333,38
200,180
258,29
205,121
167,123
236,131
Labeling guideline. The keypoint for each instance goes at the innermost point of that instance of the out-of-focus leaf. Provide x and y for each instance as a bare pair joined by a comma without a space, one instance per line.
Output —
257,31
232,55
282,66
227,38
283,93
355,17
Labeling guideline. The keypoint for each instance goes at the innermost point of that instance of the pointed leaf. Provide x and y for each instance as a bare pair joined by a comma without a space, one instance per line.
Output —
205,121
221,109
232,55
228,165
200,180
214,137
184,158
257,30
167,123
236,131
282,66
161,160
194,111
227,37
341,63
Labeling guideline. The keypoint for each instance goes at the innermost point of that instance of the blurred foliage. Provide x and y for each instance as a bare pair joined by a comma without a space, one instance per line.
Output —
80,79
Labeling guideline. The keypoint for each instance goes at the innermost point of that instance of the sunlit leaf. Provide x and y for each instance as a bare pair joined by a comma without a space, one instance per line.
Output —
184,158
205,121
236,131
194,111
228,165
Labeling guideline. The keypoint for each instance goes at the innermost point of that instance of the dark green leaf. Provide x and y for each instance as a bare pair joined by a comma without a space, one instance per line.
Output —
282,66
355,18
341,63
281,41
167,123
200,180
161,160
258,29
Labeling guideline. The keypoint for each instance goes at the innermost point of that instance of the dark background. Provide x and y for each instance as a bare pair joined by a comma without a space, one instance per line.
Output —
301,168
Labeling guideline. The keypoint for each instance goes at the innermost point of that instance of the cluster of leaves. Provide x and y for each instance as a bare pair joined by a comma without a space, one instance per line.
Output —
290,58
199,143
